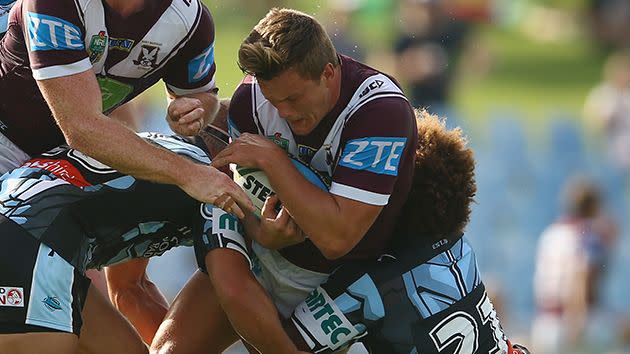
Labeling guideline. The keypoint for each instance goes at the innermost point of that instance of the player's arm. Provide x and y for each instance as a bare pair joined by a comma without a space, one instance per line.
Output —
222,251
190,81
75,101
136,297
335,222
248,307
127,115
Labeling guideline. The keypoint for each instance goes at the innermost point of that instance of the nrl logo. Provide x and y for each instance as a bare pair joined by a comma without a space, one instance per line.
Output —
97,46
147,59
280,141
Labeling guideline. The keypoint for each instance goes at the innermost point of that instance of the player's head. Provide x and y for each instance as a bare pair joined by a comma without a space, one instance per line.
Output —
296,65
582,198
438,204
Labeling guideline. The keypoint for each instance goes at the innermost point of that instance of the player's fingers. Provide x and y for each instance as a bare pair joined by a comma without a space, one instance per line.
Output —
283,217
242,200
192,116
269,207
181,105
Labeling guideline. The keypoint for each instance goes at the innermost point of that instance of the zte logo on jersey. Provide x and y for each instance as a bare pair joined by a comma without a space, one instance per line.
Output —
199,67
11,297
52,33
379,154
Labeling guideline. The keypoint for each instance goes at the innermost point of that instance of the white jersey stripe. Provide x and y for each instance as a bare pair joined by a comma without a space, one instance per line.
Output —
359,194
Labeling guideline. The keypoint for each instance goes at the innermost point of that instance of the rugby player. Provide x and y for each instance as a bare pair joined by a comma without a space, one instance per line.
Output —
346,120
64,212
424,296
78,60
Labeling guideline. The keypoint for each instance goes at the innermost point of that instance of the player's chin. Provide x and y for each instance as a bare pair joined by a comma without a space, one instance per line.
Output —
301,127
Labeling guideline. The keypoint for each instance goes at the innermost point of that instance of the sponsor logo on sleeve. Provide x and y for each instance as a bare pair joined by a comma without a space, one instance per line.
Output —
376,154
199,66
122,44
52,33
11,296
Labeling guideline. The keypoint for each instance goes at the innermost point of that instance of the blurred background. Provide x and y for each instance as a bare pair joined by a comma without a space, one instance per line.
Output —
542,90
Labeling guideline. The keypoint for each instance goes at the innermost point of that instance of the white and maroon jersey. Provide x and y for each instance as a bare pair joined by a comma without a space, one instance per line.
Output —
171,40
365,145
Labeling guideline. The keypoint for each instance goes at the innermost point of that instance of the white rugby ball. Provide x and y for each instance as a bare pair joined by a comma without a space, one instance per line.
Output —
256,185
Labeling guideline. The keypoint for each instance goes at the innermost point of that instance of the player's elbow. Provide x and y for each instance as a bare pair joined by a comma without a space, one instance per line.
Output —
335,249
334,245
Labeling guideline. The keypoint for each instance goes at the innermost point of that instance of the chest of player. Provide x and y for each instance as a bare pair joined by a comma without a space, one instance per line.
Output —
131,57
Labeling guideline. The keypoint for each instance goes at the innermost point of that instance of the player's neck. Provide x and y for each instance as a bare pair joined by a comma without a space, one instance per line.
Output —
126,7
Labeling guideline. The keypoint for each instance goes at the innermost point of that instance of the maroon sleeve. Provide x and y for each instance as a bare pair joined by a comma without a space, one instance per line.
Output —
193,68
375,148
54,36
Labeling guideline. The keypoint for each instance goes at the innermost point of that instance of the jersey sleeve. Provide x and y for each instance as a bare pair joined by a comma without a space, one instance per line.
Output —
193,68
54,36
241,115
374,146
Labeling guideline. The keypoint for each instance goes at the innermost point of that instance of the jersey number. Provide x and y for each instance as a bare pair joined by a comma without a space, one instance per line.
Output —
462,328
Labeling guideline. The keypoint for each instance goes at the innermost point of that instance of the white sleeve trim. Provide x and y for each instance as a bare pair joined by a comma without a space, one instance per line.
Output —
359,194
52,72
178,91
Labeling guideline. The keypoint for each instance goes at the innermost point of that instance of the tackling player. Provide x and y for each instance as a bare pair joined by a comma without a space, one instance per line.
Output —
78,60
63,212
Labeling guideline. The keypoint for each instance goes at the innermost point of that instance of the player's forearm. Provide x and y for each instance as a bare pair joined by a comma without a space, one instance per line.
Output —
113,144
143,305
315,211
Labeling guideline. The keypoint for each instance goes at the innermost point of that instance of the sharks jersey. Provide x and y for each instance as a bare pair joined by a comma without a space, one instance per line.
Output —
171,40
364,145
92,215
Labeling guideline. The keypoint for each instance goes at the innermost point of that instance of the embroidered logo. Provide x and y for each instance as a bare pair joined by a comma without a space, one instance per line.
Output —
147,59
97,46
52,303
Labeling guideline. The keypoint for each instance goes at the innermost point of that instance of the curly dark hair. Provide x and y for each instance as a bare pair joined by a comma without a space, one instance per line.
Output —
443,186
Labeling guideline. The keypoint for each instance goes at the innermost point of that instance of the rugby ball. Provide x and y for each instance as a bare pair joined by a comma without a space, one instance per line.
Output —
256,185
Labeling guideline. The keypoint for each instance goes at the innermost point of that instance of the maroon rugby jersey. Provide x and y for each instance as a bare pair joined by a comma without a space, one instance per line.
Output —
171,40
373,163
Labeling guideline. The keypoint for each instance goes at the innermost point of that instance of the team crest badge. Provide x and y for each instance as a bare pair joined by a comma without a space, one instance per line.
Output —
147,59
280,141
97,46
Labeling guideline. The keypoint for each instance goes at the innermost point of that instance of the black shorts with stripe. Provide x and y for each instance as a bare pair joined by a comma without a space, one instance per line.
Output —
40,291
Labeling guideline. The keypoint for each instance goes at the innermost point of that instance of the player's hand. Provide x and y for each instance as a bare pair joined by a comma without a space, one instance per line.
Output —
209,185
186,116
277,229
250,150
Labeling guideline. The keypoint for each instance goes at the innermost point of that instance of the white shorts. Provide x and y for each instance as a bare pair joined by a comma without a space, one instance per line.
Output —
11,156
287,284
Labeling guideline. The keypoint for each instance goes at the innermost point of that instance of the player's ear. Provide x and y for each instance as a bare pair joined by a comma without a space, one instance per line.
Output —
329,72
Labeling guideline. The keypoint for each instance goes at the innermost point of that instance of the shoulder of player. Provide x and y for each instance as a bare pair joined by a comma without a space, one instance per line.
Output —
240,112
387,115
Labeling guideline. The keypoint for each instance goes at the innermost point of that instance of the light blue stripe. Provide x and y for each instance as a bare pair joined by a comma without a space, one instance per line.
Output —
52,279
